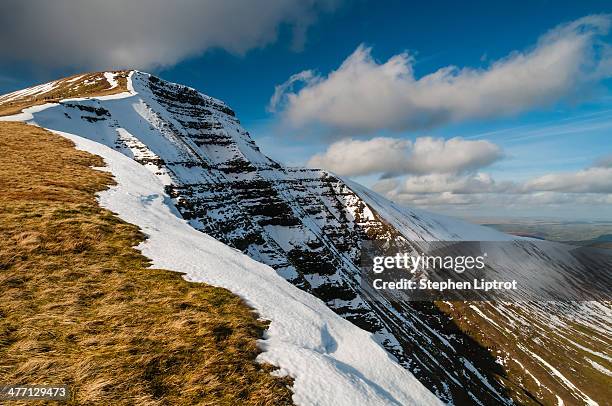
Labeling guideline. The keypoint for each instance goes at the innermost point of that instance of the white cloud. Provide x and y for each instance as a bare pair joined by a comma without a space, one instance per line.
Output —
280,90
591,187
586,181
511,203
476,183
591,180
363,95
103,34
392,156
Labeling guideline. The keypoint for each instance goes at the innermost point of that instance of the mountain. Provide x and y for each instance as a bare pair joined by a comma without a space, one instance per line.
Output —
310,226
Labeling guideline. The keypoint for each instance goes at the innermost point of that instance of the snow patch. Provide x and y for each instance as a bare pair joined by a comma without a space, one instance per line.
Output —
110,77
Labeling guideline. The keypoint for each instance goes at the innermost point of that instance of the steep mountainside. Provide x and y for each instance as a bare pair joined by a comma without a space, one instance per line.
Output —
310,225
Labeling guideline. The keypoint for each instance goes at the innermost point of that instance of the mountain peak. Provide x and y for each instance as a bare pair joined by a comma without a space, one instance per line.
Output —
90,84
310,227
306,224
97,84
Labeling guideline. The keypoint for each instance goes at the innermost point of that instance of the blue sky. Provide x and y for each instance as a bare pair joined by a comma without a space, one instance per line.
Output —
532,150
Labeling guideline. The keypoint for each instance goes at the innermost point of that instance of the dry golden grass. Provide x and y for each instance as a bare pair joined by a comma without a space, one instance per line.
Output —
78,306
87,85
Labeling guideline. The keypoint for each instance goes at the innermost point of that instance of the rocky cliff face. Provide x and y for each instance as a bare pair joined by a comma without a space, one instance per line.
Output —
309,225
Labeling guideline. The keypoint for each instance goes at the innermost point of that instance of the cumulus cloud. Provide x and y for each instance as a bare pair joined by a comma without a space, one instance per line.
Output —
591,180
280,90
363,95
590,186
393,156
476,183
449,201
144,33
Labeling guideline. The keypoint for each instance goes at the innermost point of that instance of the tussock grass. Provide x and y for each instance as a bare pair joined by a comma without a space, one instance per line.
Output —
84,85
78,306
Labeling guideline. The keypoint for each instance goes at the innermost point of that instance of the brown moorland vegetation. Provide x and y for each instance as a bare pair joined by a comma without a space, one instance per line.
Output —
84,85
80,307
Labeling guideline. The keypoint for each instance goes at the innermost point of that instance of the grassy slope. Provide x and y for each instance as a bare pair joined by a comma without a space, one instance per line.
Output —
79,307
85,85
554,345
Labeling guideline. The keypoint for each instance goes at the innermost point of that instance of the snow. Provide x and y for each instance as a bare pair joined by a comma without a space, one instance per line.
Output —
110,77
31,91
567,382
332,361
27,114
599,367
419,225
74,79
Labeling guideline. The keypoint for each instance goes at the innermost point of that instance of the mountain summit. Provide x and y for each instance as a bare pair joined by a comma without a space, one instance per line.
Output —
310,226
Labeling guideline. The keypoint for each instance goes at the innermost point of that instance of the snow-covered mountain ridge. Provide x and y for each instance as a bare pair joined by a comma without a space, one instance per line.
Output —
309,226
